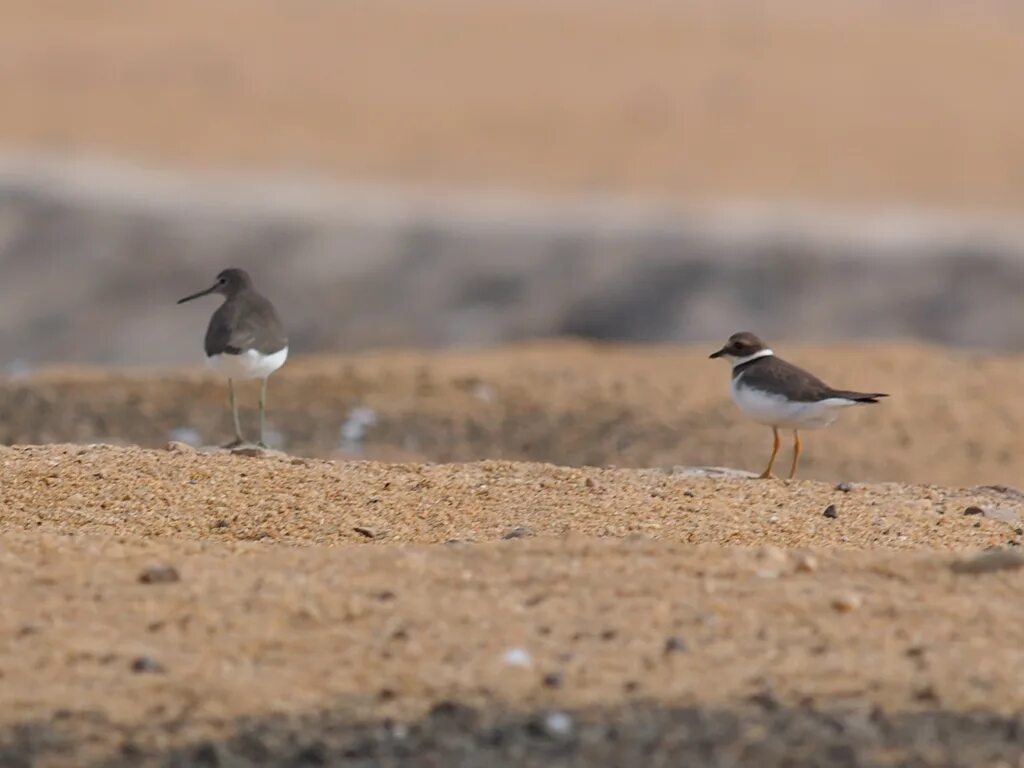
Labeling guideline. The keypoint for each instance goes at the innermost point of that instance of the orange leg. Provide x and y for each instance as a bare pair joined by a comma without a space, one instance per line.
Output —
771,462
796,454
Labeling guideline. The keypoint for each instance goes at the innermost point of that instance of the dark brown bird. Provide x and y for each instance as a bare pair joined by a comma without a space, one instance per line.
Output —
244,340
780,395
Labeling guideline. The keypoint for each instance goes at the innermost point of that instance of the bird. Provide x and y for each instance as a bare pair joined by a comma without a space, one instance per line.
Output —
780,395
244,340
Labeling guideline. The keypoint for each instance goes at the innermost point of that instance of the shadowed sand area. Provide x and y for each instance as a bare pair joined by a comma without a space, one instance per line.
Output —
953,418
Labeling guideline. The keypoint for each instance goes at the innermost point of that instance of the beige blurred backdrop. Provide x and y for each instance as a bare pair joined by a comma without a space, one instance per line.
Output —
399,172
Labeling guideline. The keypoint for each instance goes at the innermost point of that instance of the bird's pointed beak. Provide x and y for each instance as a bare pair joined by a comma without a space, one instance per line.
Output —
208,291
719,353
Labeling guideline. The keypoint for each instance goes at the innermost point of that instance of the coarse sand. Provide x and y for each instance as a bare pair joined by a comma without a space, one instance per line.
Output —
185,608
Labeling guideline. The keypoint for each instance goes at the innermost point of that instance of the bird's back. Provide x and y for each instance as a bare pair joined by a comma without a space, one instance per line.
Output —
244,323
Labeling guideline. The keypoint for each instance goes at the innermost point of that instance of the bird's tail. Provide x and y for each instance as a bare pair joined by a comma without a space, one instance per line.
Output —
858,397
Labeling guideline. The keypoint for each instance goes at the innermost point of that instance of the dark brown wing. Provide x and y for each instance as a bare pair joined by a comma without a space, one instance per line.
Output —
773,374
238,326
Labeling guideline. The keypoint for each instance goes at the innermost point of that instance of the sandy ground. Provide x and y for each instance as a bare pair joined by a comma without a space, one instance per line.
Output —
184,607
952,419
179,608
848,102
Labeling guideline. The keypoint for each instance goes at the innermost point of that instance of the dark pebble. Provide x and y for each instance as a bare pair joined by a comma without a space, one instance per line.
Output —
516,533
974,511
844,487
364,531
552,680
830,512
676,644
313,754
159,574
766,700
131,751
208,754
146,664
927,693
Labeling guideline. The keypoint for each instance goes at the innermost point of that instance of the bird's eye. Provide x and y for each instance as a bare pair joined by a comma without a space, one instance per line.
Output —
222,281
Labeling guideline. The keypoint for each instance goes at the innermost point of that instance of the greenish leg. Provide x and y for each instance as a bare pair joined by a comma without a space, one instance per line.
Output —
263,410
234,414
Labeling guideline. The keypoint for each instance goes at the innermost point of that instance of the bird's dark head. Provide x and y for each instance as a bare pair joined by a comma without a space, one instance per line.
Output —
741,346
229,282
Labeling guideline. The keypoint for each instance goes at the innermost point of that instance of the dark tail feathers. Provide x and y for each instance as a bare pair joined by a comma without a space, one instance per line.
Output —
857,397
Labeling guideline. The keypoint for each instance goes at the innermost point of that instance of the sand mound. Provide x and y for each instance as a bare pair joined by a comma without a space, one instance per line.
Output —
119,492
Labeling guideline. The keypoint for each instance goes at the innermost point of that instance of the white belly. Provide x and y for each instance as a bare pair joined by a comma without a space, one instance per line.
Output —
776,411
248,365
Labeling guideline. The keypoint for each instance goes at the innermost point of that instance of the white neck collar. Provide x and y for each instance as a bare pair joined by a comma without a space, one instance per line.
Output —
735,361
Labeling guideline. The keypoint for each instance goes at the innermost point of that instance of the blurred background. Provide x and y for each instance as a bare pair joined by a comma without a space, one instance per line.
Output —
398,173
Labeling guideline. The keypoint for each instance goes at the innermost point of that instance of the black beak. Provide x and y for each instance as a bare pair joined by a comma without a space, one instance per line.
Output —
208,291
719,353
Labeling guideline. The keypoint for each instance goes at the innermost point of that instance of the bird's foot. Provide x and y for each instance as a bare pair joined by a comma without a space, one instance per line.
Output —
766,475
236,443
263,445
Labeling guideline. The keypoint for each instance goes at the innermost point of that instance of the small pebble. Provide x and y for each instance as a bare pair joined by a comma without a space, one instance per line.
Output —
208,753
847,602
146,664
159,574
927,693
558,724
362,530
517,657
552,680
254,451
766,699
675,644
830,512
806,563
844,487
516,533
1007,516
